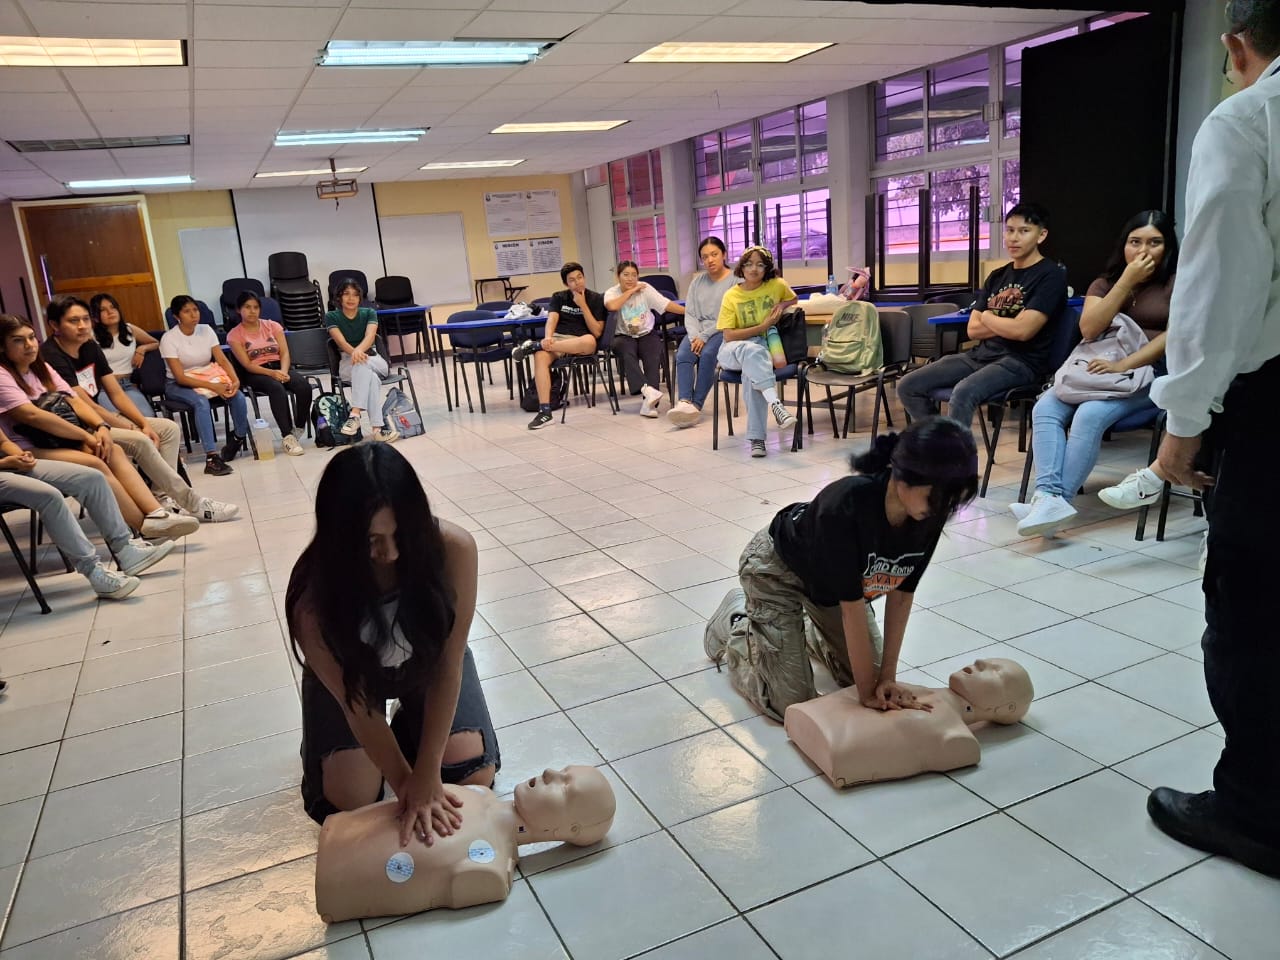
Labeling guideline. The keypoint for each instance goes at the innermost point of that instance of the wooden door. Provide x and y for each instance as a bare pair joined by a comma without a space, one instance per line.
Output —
85,248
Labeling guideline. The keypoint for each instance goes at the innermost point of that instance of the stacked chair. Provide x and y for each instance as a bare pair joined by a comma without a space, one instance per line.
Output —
301,303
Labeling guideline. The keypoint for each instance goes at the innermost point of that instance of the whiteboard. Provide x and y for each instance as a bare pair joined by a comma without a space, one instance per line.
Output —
209,256
431,250
279,219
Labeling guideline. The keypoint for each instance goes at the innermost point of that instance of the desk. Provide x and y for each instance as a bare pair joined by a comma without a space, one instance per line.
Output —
395,312
520,328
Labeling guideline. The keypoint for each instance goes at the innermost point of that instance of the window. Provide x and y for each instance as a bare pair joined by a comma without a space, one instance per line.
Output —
900,117
1012,184
639,228
949,203
775,163
958,92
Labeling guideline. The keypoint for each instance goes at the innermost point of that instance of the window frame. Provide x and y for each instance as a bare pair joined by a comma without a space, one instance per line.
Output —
634,214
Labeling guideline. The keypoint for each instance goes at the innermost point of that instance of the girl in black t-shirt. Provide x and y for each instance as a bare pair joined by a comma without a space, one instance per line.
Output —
860,538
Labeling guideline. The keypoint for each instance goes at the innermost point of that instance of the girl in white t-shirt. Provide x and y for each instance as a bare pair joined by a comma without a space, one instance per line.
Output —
124,346
189,349
636,341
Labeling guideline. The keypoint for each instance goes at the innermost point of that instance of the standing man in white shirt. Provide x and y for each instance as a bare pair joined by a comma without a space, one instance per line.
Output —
1224,357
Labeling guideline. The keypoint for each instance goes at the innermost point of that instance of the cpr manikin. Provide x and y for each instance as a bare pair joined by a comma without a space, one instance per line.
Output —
362,871
853,744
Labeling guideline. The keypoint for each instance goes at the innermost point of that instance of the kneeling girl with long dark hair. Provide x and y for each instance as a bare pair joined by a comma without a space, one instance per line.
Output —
864,536
379,606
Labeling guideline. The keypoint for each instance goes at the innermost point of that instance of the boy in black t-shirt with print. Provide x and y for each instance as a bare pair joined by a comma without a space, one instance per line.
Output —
1014,320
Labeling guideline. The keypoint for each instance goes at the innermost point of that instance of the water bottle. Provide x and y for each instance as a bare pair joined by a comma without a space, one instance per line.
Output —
831,284
263,441
321,422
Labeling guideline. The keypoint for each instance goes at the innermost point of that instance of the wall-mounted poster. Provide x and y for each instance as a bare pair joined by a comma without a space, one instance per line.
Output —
543,209
512,257
545,255
505,213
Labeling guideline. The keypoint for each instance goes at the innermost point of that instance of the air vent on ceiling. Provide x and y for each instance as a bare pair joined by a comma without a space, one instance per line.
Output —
98,143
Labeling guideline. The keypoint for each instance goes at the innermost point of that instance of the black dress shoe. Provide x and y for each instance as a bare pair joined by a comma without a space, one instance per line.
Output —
1196,820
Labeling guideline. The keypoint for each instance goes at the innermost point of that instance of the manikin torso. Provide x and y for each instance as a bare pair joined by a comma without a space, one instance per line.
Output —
362,871
854,744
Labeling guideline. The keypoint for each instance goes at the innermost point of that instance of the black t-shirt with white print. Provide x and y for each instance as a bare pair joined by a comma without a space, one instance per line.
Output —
842,546
86,369
1007,292
571,320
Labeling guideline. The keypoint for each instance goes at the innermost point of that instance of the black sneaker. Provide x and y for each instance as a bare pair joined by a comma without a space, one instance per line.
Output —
215,467
523,350
540,420
234,445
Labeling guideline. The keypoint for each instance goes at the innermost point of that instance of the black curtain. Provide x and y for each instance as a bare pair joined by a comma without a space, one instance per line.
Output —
1098,134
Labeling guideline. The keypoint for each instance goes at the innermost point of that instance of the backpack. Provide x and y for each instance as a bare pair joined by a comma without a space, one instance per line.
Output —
793,331
559,392
1073,383
328,413
398,412
851,340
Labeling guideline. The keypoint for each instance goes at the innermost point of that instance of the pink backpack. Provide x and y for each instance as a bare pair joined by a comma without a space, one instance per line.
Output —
1073,383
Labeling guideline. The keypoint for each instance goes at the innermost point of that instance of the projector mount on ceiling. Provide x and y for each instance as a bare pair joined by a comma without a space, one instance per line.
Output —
335,189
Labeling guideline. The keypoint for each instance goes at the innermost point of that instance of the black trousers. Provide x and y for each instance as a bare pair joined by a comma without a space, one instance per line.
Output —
278,395
1241,641
636,352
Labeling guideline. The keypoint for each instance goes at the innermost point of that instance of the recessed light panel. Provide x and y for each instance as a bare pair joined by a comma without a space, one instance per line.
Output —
430,53
321,137
469,164
90,52
567,126
676,52
130,182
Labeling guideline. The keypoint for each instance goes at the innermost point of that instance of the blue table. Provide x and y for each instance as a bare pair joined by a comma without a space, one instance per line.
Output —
418,308
958,322
520,328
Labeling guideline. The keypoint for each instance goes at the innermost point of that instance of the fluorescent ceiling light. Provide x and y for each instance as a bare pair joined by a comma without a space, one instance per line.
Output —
569,126
130,182
430,53
677,52
89,52
469,164
312,138
319,171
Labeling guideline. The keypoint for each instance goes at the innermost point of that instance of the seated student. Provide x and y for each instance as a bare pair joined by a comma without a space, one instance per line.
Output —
355,330
379,606
1012,318
1138,282
696,356
190,349
260,348
150,442
575,323
43,485
747,311
636,340
26,378
864,536
123,344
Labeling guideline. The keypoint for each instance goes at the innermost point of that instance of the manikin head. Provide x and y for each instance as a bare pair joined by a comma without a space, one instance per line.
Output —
998,689
575,805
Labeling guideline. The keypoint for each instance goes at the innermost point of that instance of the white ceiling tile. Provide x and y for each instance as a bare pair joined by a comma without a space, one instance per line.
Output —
255,53
369,96
367,24
153,21
251,78
128,79
646,30
32,80
477,77
266,97
710,7
154,99
331,78
328,118
420,4
215,21
142,123
520,25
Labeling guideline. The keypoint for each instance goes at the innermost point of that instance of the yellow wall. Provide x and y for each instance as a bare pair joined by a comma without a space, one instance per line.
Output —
466,197
944,271
171,212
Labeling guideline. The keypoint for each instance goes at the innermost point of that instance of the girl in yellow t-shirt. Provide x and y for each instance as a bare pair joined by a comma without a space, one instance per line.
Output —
746,314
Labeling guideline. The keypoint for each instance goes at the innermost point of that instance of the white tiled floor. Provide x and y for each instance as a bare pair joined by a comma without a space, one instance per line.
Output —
148,749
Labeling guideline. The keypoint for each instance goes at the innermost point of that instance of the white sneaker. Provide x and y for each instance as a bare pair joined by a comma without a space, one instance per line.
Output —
1019,510
784,417
291,445
385,434
652,397
110,585
169,503
351,427
138,555
215,511
163,525
1048,512
684,414
1138,489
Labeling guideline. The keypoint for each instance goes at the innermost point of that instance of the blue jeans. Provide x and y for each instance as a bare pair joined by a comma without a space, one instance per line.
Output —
696,373
759,387
973,382
1065,459
204,413
133,393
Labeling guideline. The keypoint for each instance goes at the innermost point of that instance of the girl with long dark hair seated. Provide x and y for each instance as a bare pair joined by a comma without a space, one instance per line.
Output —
862,537
262,351
123,344
379,606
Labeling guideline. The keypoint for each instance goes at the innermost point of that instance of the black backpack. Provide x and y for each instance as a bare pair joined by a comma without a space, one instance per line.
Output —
328,413
559,392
